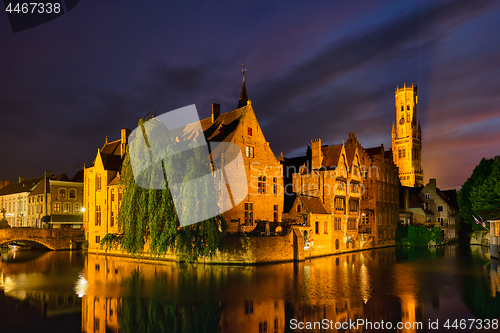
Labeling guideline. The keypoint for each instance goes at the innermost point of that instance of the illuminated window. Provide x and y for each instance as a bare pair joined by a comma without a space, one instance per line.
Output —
98,215
248,213
250,131
249,152
262,184
67,208
57,207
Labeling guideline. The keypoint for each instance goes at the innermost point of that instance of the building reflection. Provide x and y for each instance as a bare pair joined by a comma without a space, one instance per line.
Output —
128,295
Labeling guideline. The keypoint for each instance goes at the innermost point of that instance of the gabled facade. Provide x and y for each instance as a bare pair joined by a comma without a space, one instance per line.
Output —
331,174
102,192
264,201
429,206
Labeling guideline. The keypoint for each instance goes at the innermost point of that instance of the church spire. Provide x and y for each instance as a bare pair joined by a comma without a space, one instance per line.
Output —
243,95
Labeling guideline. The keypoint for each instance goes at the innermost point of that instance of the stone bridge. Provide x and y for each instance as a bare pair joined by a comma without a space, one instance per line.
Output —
53,239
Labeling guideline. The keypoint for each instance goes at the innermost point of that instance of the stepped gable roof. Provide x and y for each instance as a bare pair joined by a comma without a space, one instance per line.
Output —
27,185
222,129
111,162
113,148
331,155
313,204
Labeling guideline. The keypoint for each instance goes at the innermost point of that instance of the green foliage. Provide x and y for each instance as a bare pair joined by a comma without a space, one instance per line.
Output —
485,198
478,195
417,236
401,235
421,236
149,216
111,241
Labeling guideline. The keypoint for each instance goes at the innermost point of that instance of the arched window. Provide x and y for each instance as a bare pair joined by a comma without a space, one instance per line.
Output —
67,208
62,193
72,194
76,208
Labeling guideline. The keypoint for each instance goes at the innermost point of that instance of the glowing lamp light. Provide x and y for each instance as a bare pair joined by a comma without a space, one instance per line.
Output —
81,285
83,209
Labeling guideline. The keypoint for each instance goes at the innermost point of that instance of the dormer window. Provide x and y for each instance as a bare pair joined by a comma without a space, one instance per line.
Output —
249,130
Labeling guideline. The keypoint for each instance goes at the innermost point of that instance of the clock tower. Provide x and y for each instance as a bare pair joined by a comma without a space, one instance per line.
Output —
407,138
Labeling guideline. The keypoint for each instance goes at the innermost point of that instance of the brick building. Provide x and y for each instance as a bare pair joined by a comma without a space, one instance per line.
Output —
56,203
327,178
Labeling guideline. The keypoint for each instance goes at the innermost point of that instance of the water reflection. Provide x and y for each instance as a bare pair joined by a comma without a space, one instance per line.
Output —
385,285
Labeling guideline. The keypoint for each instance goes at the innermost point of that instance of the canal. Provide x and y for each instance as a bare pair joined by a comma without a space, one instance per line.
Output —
79,292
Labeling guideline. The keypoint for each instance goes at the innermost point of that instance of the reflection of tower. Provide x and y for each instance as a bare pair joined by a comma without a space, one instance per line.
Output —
407,138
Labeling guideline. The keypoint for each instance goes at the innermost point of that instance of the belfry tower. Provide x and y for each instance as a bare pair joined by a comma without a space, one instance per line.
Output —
407,138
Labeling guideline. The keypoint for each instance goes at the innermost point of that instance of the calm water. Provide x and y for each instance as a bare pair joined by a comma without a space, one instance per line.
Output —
76,292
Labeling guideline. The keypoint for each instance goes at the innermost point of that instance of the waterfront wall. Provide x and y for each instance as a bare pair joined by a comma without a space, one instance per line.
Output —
255,250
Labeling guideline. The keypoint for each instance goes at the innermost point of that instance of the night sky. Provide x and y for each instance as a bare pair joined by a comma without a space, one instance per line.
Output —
315,69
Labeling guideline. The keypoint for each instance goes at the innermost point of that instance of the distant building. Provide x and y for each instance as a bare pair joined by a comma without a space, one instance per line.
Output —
428,205
14,199
56,203
407,138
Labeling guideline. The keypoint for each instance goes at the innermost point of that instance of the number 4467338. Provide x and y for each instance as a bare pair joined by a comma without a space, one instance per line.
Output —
34,7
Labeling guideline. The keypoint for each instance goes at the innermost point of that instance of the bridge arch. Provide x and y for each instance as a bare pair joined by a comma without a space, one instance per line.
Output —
36,243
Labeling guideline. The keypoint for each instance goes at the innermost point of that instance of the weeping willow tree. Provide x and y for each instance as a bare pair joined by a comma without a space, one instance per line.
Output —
148,215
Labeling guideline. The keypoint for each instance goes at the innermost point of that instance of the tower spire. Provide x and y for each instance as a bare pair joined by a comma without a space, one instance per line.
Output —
243,95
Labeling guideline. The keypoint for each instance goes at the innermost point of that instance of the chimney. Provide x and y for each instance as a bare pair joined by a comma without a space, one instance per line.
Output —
316,154
215,111
432,182
21,178
47,174
124,141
